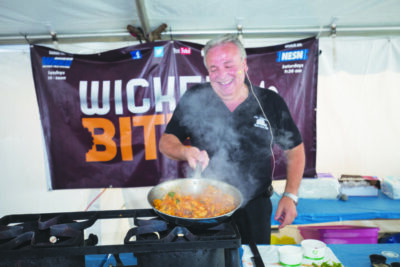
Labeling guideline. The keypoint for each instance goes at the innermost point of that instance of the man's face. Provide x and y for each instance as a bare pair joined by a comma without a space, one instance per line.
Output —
227,71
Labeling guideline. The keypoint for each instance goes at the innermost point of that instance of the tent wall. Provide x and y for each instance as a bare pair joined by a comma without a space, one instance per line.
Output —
358,122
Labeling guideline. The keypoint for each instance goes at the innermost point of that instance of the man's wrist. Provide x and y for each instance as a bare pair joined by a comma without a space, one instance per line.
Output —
292,197
183,153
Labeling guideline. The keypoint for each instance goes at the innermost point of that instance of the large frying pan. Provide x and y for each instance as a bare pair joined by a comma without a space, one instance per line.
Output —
193,186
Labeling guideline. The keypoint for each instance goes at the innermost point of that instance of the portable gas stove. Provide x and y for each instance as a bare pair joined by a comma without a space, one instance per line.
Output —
58,239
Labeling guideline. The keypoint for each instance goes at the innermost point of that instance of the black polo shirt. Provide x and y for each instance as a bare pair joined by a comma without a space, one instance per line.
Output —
239,142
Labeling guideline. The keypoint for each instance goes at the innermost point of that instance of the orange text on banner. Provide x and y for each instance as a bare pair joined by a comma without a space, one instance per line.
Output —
105,133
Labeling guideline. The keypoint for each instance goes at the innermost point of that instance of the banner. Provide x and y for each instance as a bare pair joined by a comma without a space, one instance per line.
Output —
103,114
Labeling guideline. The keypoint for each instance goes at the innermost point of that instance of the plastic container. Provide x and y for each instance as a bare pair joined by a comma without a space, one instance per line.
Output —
391,187
395,238
377,259
341,234
319,188
290,255
313,249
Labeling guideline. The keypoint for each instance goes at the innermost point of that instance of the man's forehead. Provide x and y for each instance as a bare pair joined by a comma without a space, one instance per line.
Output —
227,61
224,56
231,47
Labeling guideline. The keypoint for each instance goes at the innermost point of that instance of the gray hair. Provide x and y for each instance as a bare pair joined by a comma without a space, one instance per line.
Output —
224,39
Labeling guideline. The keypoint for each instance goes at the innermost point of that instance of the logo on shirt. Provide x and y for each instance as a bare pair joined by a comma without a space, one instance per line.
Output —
261,122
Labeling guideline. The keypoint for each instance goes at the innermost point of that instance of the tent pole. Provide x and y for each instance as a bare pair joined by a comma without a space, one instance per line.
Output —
326,30
144,20
256,33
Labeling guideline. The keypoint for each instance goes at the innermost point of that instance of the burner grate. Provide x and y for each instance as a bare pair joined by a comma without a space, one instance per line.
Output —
57,239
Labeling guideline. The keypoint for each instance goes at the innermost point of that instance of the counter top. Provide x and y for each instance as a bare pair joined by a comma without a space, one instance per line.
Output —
349,255
332,210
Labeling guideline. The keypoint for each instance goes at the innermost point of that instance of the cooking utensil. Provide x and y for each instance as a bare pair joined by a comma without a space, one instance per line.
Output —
198,170
193,186
257,257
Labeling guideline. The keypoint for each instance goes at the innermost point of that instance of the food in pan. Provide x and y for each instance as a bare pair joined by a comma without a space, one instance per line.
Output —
212,202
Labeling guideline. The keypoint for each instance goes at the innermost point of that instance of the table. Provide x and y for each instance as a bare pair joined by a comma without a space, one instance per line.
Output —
349,255
358,254
326,210
332,210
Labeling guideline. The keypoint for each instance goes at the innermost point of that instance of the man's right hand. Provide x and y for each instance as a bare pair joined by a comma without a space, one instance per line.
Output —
194,155
171,147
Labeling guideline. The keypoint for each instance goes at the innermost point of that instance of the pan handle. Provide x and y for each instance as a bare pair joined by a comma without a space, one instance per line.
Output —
198,170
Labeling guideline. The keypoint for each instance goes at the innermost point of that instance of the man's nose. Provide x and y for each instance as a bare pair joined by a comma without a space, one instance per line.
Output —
221,74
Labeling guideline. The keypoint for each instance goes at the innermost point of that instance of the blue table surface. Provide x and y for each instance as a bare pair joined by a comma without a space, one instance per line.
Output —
318,211
350,255
358,254
332,210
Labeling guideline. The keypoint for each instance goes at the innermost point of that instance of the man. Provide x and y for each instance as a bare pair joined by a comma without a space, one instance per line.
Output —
232,126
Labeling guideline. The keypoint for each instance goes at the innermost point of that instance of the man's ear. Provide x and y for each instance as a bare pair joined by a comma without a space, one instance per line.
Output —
245,67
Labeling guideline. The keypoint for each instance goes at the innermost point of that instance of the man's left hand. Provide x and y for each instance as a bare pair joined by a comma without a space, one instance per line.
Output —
286,212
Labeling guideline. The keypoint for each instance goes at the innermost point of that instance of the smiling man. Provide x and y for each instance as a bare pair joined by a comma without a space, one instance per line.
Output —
232,126
227,74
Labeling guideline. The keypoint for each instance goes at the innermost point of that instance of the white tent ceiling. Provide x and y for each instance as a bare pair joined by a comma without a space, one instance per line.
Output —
107,20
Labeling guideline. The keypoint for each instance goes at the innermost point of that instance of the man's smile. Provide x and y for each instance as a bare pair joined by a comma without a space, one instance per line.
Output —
224,83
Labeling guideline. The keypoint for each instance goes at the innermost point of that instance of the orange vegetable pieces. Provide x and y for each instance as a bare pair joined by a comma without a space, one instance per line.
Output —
211,202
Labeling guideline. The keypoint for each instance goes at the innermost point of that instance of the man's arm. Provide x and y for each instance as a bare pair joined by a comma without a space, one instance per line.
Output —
295,168
170,146
286,211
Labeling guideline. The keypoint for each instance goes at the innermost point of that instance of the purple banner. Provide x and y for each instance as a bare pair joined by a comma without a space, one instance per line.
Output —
292,70
103,114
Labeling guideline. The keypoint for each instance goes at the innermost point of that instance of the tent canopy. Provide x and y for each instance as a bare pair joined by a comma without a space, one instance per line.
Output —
106,20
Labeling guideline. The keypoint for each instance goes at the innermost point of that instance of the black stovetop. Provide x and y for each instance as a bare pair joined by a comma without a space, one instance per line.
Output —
51,235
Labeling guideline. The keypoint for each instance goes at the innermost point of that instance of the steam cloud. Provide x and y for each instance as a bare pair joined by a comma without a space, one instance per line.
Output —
227,161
